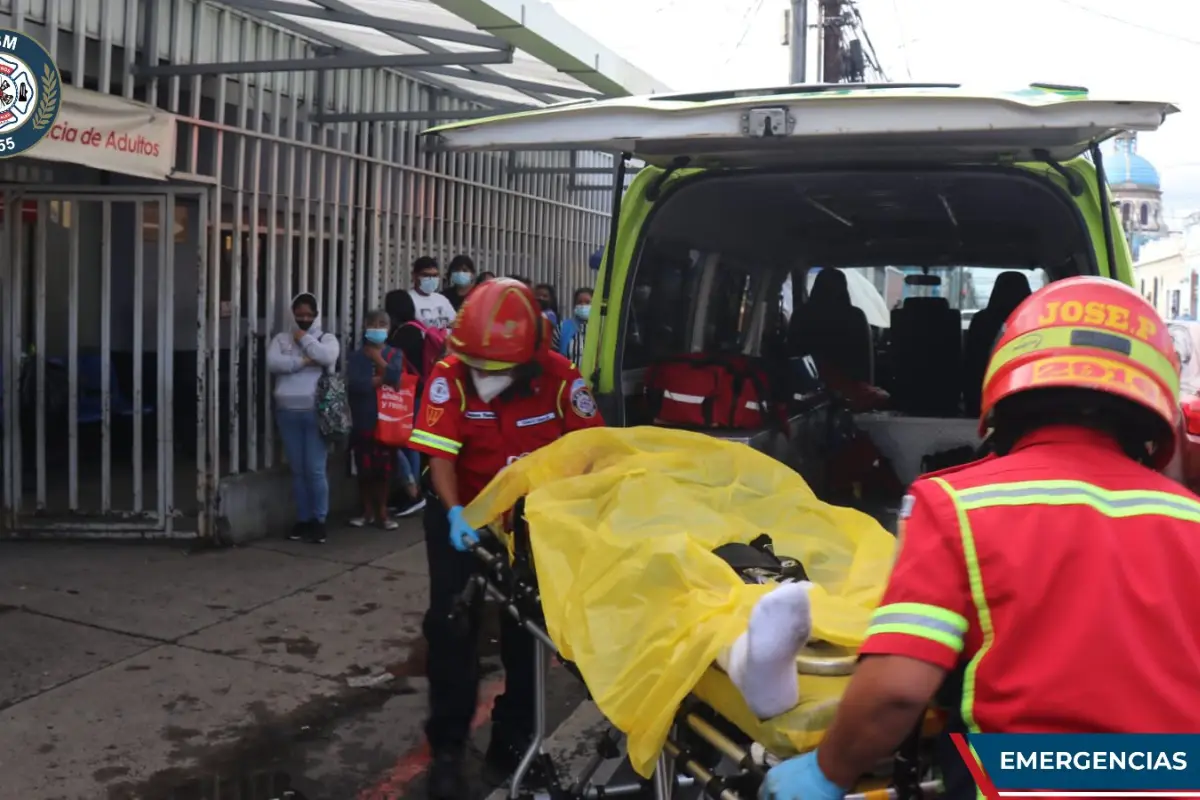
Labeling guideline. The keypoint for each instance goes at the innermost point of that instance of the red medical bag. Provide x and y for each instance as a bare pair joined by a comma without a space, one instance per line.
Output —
710,391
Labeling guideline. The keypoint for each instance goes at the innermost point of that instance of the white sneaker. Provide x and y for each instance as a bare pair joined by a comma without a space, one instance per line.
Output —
357,522
412,508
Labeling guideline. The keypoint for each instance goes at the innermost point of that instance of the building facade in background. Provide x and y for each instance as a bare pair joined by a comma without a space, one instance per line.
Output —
1137,190
1168,272
211,160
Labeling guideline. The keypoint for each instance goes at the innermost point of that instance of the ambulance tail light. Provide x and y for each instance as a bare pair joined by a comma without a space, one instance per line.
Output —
1191,416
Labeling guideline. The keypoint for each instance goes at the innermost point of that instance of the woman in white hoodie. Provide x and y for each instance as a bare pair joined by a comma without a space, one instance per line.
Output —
297,359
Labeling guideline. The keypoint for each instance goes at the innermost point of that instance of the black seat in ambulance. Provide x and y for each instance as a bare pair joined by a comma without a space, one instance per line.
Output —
926,357
834,332
1007,293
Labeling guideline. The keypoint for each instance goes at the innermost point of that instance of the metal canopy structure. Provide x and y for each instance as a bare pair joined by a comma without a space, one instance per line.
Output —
499,55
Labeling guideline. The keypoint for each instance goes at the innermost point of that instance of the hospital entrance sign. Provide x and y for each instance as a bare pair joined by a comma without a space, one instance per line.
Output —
111,133
29,93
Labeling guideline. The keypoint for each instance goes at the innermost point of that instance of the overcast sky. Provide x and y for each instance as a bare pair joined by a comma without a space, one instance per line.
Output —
1143,50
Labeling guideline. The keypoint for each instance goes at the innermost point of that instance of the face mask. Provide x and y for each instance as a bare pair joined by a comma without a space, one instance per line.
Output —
490,385
429,285
545,304
305,324
460,278
583,312
376,335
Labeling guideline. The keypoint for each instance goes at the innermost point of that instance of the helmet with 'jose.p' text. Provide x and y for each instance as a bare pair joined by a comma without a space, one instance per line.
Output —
1093,334
499,326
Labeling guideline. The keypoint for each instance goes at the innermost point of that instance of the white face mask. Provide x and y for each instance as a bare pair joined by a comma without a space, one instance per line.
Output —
490,385
429,284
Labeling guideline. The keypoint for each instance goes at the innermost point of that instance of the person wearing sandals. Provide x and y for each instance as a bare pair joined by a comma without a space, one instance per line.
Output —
372,365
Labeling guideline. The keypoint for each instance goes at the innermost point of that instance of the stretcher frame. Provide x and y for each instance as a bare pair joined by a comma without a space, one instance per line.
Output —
514,589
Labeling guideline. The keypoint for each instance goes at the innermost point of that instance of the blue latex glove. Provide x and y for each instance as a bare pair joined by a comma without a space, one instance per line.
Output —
799,778
461,534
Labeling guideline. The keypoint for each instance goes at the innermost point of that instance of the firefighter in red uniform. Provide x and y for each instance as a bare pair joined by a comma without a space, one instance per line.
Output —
1059,573
500,395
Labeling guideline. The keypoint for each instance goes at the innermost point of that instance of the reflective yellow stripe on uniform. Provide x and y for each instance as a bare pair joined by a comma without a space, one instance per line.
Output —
922,621
982,611
1110,503
432,440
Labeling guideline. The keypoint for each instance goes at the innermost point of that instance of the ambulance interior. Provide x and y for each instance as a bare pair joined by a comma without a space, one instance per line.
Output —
720,254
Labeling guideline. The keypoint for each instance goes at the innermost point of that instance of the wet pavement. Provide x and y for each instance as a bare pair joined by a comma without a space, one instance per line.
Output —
279,670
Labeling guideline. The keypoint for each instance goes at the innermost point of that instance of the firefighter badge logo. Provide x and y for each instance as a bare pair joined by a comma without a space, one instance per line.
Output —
30,93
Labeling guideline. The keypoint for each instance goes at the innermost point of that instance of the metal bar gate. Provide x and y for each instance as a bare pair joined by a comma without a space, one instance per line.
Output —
88,341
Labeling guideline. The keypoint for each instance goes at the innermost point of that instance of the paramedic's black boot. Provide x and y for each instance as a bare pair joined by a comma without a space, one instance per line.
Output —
502,759
447,780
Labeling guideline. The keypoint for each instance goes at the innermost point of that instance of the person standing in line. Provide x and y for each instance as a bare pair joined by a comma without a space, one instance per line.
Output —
373,365
410,341
297,359
462,280
547,298
432,308
574,328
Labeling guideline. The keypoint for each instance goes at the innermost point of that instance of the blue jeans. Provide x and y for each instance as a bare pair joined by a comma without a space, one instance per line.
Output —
306,455
408,465
409,461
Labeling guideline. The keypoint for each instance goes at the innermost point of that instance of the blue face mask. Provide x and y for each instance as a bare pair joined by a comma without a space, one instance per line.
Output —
460,278
429,284
376,335
583,312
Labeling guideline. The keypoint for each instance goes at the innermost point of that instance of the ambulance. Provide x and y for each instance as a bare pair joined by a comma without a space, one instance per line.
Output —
743,192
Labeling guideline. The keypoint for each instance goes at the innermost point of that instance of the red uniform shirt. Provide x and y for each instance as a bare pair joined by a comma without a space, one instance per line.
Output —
1064,574
483,438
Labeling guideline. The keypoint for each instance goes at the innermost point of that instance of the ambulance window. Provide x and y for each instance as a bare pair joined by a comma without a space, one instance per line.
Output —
660,306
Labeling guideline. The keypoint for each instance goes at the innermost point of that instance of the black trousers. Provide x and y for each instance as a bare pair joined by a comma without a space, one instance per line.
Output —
452,664
956,778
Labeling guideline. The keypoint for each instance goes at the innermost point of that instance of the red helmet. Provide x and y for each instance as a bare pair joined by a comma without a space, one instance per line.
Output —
499,326
1088,333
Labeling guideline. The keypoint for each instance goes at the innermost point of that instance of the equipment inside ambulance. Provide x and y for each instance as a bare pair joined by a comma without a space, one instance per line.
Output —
932,194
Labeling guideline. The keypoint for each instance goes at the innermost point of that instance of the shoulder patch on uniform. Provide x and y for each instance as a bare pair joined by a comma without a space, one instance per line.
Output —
582,402
906,506
433,415
439,391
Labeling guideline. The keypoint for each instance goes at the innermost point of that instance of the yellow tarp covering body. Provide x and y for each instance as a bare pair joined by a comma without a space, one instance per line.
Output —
623,523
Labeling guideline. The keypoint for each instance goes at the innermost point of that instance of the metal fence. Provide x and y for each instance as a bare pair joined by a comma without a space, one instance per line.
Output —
181,285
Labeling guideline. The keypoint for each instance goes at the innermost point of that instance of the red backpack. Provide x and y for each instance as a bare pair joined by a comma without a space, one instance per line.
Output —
434,346
711,391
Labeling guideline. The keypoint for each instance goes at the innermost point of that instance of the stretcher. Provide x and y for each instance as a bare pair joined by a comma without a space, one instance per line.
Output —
608,547
716,748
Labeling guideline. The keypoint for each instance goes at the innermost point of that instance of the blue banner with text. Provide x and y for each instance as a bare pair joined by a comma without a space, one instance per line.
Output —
1089,761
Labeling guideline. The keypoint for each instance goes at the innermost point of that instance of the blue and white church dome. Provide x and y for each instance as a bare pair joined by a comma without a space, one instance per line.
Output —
1137,189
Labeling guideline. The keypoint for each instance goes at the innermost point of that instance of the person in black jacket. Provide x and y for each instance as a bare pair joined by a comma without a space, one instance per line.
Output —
410,341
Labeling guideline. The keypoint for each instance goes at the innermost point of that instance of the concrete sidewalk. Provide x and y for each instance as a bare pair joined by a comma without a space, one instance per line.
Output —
128,670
